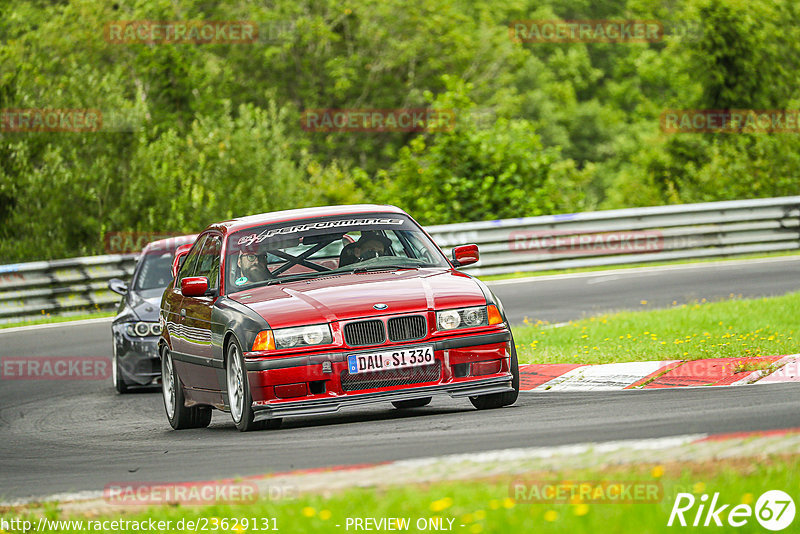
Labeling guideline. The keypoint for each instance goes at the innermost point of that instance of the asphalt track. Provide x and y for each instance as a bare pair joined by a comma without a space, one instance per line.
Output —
560,298
68,436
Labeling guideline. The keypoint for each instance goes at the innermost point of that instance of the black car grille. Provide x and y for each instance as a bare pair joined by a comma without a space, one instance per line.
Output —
407,328
364,333
393,377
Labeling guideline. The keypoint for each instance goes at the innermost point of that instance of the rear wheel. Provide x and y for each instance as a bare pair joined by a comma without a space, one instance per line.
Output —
178,415
239,398
498,400
412,403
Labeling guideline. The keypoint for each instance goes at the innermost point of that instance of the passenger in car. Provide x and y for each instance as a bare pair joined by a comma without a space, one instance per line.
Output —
369,245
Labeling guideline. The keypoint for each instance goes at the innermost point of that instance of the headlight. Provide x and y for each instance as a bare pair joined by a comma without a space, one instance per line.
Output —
301,336
465,318
474,316
143,329
447,320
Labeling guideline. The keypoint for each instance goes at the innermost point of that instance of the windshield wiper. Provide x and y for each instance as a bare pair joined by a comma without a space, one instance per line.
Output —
382,268
297,277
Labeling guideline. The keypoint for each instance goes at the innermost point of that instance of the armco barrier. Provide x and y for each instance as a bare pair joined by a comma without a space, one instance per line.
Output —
662,233
60,287
635,235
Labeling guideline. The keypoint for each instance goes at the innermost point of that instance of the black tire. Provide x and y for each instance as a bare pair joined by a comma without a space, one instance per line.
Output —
181,417
412,403
240,401
498,400
116,375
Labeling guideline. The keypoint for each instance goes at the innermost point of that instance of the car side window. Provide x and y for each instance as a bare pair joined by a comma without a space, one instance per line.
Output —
190,263
208,261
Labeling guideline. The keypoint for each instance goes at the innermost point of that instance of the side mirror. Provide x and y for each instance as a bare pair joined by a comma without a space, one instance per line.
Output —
194,286
180,255
118,286
465,255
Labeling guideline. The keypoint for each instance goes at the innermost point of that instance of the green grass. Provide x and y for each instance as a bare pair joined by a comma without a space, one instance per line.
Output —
47,318
729,328
528,274
489,505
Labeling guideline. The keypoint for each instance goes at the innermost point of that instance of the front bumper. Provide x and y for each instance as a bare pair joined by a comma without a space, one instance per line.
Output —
137,357
320,383
498,384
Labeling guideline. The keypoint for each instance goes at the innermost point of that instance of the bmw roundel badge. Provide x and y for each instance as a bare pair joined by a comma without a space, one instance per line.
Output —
380,306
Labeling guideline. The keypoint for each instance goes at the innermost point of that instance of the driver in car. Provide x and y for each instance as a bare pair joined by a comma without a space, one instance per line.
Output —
368,246
252,266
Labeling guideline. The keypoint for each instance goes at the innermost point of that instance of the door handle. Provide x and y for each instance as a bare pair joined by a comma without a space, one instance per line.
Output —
183,312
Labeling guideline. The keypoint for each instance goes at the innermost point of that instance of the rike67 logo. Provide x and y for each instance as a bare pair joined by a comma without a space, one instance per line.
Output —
774,510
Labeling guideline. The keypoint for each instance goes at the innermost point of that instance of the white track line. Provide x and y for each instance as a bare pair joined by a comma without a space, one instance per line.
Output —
604,377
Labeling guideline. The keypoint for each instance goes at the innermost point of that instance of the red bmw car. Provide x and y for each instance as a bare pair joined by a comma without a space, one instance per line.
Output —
306,311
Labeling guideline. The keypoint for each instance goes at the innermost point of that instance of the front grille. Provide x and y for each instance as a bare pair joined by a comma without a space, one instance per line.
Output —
407,328
364,333
393,377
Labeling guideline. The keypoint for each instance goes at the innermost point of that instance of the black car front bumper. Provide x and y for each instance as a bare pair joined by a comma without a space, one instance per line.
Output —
137,357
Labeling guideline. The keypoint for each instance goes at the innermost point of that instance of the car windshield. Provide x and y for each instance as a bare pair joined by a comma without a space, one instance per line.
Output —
154,271
310,248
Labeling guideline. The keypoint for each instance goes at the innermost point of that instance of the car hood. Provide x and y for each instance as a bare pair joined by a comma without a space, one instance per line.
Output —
349,296
145,305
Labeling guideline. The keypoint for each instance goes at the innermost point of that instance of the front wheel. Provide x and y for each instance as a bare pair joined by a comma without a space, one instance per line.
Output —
116,374
498,400
239,398
179,416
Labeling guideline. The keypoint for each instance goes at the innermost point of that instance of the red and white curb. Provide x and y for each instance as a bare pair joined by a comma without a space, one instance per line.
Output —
660,374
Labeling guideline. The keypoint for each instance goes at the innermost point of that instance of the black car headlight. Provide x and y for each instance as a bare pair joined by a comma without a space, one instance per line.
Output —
302,336
467,317
143,329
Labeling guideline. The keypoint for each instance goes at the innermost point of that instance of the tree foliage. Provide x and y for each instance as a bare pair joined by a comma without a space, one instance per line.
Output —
198,133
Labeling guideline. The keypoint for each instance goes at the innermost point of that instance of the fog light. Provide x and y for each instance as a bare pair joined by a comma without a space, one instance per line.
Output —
485,368
287,391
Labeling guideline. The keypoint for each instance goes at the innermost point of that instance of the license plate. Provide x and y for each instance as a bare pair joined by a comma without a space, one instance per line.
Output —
394,359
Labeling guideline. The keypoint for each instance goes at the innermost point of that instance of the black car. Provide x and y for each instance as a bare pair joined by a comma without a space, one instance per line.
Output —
135,329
